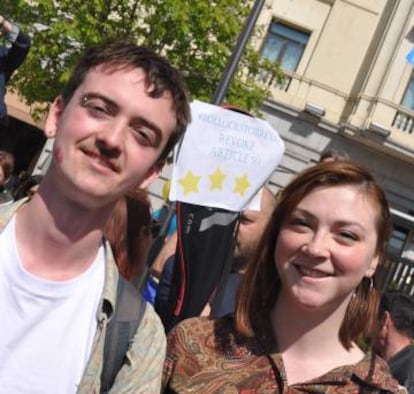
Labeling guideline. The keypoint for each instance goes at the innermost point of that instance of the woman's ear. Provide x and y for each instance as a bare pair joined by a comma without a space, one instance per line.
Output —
372,266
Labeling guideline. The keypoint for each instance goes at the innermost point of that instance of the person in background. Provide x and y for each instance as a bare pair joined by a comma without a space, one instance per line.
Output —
6,170
119,115
26,185
252,224
333,155
250,229
303,303
11,57
394,335
129,232
165,240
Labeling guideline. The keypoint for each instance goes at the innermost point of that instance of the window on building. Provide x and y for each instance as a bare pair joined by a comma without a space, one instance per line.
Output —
408,99
285,45
398,239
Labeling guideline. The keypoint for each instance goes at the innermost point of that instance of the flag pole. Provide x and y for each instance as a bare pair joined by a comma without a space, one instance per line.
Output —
237,53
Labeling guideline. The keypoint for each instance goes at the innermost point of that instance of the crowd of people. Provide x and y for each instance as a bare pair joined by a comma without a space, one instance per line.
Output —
300,310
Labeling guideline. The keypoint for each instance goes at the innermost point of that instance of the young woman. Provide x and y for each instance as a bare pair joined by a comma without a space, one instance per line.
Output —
128,230
303,304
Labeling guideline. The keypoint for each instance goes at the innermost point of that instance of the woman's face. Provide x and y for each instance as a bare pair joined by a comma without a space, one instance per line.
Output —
326,246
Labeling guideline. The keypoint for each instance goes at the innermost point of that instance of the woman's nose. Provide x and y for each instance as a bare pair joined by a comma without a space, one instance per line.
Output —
317,245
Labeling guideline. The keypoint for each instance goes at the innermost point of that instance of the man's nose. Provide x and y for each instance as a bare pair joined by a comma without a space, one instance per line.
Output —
111,139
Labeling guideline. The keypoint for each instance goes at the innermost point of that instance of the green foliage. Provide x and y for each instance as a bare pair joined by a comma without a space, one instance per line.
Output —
197,36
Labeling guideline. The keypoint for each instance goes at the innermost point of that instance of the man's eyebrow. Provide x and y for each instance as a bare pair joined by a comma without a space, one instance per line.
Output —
88,96
140,120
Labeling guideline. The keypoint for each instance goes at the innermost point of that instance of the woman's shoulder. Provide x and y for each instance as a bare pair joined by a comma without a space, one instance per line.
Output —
209,335
373,371
197,327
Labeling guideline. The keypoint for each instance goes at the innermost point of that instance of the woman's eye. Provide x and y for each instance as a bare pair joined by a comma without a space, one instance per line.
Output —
348,235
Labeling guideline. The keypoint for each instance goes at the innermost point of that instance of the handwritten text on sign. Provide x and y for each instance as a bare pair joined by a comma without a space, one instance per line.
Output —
225,158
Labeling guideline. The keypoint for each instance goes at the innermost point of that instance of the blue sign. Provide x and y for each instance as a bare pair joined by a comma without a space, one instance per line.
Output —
410,57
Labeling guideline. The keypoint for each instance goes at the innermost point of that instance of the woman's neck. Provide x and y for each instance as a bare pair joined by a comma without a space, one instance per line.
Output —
308,339
295,324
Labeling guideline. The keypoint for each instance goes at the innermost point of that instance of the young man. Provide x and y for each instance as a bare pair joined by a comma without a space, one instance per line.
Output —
395,334
251,228
10,57
115,122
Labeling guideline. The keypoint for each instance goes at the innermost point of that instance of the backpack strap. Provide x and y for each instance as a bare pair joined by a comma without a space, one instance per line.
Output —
129,310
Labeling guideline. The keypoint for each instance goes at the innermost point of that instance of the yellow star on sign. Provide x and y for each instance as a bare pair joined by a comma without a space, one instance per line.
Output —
241,185
189,182
217,178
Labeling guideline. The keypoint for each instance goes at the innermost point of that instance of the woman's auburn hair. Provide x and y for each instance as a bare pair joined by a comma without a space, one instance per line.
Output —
260,284
128,232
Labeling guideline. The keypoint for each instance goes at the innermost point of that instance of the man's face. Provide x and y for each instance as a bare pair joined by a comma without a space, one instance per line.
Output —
251,227
380,334
108,137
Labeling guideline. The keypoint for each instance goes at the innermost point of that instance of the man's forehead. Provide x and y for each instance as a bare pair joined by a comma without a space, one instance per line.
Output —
108,70
252,214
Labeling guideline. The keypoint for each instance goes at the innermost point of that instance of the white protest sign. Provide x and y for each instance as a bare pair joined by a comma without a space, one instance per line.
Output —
224,159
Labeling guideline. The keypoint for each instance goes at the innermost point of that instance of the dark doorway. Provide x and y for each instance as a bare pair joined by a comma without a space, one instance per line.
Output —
24,141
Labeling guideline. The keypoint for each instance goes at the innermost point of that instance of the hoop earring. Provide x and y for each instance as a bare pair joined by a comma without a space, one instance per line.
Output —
371,283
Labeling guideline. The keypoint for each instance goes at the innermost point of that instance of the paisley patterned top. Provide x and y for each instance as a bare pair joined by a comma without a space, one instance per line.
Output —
208,356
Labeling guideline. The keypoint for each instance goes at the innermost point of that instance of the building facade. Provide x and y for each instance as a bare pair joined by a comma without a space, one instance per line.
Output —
349,86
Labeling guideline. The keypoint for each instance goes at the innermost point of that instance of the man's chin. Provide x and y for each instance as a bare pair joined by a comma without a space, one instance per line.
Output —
239,263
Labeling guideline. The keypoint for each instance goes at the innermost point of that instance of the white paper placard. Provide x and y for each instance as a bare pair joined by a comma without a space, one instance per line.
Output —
224,159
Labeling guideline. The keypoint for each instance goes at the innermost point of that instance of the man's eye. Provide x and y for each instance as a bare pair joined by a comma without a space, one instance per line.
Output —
143,136
95,107
98,109
244,219
299,222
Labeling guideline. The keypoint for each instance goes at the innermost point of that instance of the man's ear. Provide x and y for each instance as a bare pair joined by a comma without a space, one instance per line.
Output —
387,318
53,117
372,267
152,174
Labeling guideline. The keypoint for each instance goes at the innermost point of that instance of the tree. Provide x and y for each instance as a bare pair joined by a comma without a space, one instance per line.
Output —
198,37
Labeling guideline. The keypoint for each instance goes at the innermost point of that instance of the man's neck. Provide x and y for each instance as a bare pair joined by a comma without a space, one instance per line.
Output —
395,345
56,239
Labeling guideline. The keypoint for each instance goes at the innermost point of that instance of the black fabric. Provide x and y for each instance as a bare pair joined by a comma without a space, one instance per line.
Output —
402,367
228,303
204,252
163,291
10,60
129,310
